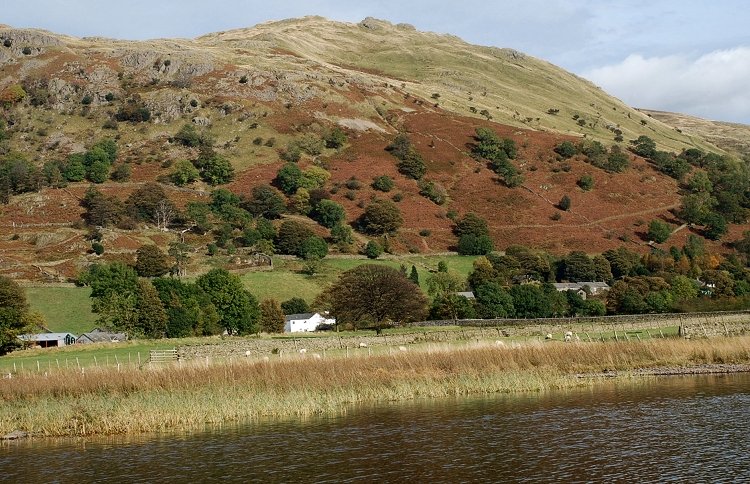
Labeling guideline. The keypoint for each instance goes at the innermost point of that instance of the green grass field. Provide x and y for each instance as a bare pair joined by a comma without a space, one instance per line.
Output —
287,280
66,309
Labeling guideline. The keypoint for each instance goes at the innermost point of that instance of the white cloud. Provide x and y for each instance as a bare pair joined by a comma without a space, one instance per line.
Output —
713,85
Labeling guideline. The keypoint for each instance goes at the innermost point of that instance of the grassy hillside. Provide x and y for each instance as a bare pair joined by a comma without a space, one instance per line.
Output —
252,91
732,137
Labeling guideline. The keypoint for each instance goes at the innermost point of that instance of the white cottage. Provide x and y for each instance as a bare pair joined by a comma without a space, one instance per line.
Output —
300,323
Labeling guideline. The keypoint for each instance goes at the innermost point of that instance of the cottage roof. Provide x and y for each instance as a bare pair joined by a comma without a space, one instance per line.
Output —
297,317
466,294
98,336
45,336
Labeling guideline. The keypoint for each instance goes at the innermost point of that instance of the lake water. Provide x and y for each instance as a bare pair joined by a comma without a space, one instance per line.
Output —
693,429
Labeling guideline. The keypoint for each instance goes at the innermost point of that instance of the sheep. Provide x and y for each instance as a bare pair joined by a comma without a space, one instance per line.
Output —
548,336
363,345
303,351
568,335
247,353
499,343
317,356
402,348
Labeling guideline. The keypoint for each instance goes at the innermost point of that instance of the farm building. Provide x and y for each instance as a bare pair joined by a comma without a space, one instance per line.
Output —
582,288
48,340
97,335
300,323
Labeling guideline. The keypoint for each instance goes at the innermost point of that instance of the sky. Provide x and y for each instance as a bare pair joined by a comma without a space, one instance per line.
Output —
688,56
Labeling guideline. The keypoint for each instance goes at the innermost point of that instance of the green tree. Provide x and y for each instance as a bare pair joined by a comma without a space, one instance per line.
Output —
150,261
643,146
188,136
564,203
313,248
441,284
292,236
328,213
586,182
715,226
288,178
493,301
381,217
13,309
374,295
471,224
470,244
659,231
184,173
295,305
271,316
414,275
383,183
373,250
152,319
579,267
237,308
216,170
566,150
266,201
335,138
530,301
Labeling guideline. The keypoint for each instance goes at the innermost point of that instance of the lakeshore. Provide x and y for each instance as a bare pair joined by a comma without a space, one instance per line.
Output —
192,395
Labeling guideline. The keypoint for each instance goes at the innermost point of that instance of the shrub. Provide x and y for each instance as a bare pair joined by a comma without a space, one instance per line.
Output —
26,51
383,183
97,247
184,173
381,217
433,191
564,203
335,138
194,103
425,233
353,184
243,80
586,182
87,99
373,250
328,213
470,244
397,197
121,173
659,231
566,149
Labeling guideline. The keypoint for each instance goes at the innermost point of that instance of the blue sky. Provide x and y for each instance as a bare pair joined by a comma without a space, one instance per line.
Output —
690,56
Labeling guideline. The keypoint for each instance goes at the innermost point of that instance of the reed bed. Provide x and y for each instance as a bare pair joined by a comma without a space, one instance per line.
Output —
191,395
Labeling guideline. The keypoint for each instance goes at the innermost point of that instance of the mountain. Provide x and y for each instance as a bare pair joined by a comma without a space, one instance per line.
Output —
254,91
733,138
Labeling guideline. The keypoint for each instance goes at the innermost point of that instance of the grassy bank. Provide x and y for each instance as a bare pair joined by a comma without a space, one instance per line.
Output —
105,401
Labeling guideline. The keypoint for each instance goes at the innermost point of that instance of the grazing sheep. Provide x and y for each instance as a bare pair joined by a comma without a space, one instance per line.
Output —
317,356
568,335
499,343
402,348
265,358
548,336
303,350
363,345
247,353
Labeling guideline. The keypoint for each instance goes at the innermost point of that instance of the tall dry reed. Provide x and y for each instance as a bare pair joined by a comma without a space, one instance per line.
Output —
106,401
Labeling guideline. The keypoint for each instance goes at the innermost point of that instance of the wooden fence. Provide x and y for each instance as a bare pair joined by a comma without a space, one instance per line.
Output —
163,356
